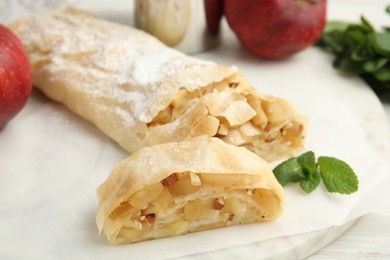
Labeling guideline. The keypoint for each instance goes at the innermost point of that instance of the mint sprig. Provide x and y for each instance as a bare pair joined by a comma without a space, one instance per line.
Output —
360,49
337,175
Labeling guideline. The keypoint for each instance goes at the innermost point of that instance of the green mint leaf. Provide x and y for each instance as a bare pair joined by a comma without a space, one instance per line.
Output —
333,39
383,74
289,171
356,34
388,9
381,43
336,26
308,163
311,183
301,169
361,53
360,50
374,65
346,64
366,25
307,160
333,42
337,175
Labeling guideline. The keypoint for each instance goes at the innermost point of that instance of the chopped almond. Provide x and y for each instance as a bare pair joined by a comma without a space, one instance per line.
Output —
195,180
153,124
170,180
218,204
230,217
268,126
233,84
150,218
269,139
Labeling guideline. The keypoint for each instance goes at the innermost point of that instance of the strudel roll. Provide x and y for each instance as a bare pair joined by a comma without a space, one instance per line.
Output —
176,188
140,92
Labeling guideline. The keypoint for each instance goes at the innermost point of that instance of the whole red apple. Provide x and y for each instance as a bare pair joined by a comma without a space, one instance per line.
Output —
276,28
15,76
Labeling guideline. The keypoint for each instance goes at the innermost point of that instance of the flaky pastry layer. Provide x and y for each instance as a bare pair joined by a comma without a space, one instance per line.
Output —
140,92
176,188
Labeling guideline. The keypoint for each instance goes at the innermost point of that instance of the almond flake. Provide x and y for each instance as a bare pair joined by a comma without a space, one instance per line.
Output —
195,180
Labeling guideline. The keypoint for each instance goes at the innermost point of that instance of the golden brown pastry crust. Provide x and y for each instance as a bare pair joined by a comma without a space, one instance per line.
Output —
219,171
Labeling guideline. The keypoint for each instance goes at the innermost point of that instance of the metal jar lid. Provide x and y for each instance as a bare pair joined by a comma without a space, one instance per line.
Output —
183,24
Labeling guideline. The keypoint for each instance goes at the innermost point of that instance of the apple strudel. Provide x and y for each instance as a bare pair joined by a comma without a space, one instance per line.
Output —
140,92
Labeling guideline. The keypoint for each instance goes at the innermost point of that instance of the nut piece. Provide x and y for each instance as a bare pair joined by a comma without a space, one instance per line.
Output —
218,204
195,180
249,192
230,217
233,84
150,219
170,180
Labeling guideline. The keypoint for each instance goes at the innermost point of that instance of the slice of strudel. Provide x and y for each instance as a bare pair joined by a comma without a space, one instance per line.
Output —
176,188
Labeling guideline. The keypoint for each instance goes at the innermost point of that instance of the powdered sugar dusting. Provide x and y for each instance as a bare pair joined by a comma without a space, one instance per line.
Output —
147,69
124,115
123,67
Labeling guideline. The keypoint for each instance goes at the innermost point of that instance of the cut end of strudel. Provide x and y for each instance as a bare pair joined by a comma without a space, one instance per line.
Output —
176,188
141,93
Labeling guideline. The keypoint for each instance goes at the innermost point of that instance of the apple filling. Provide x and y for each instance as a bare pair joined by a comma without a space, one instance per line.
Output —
232,111
188,202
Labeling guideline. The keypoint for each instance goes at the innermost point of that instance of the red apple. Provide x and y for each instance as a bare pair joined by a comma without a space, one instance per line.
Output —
214,13
276,28
15,76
